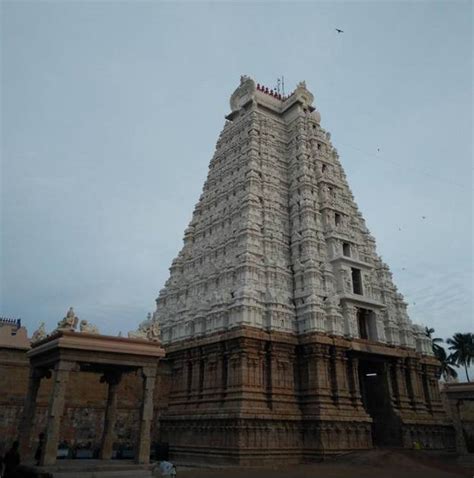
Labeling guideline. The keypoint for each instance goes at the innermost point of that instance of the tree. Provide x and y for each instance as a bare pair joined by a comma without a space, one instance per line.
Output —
446,361
434,341
462,346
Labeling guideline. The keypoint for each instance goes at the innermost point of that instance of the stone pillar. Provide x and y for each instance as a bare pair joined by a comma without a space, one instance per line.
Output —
146,415
323,378
29,410
354,382
108,436
414,368
55,411
341,384
404,398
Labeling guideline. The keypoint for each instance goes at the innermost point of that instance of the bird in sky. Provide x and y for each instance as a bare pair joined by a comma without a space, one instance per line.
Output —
339,31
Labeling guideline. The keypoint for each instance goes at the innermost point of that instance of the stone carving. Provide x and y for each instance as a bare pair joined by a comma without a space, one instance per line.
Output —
39,333
149,329
69,322
140,333
84,326
246,88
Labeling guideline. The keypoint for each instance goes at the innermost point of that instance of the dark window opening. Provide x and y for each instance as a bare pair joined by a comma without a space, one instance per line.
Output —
224,377
323,168
346,249
201,376
337,219
190,377
363,323
356,281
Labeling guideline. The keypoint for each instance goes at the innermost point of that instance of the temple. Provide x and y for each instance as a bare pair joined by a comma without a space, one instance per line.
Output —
286,336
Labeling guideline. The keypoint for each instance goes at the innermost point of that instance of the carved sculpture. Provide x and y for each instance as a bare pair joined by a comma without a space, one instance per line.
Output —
39,333
84,326
149,329
69,322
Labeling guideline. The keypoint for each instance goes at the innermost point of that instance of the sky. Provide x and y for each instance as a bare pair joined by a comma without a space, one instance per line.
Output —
110,112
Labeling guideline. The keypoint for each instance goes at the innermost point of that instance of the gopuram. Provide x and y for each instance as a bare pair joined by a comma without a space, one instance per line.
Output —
286,336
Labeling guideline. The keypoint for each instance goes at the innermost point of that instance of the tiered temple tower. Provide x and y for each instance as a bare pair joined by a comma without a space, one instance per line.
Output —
286,335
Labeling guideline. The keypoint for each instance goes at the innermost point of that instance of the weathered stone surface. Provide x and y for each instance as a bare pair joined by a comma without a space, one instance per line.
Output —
458,399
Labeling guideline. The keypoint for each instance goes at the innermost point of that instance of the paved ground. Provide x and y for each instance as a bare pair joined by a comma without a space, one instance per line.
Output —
372,464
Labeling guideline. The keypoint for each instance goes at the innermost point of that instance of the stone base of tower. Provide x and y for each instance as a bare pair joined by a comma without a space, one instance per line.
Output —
248,397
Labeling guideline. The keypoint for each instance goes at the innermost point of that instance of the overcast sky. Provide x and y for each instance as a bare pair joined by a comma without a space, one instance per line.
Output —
111,112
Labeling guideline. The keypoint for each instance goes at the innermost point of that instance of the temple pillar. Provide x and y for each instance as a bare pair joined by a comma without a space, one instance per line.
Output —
404,398
354,382
323,390
25,428
108,436
414,369
55,411
341,384
146,415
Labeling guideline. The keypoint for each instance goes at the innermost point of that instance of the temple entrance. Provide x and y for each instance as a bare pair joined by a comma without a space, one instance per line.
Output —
374,387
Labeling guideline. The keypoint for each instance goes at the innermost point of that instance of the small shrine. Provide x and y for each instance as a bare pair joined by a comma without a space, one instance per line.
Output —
85,350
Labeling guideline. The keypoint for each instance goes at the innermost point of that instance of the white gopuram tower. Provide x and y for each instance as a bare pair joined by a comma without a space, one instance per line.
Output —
279,304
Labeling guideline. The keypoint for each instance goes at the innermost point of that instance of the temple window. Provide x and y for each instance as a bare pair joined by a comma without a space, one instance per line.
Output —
363,323
356,281
346,249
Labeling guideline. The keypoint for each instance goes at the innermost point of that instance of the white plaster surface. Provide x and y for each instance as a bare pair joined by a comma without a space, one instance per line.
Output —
264,247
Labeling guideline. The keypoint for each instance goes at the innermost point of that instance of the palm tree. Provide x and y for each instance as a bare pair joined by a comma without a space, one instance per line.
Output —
463,350
434,341
447,371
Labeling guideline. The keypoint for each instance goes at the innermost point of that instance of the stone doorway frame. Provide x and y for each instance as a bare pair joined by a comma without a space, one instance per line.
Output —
67,351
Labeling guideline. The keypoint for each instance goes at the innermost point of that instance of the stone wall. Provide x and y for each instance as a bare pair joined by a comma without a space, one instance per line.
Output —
248,397
458,399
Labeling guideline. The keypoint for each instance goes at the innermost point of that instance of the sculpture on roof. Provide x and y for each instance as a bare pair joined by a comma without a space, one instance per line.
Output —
39,333
149,329
69,322
84,326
